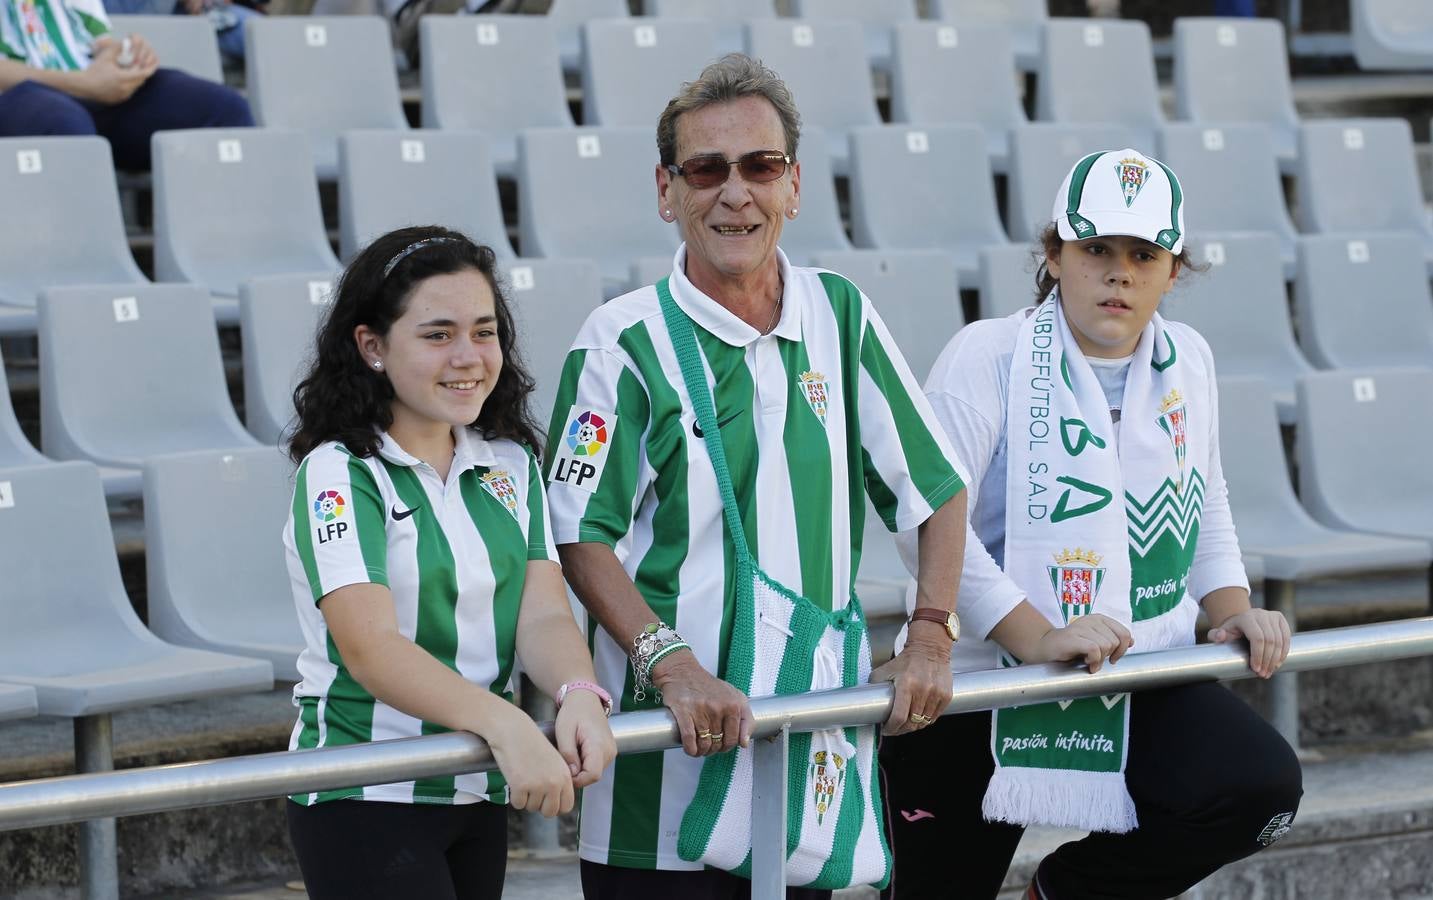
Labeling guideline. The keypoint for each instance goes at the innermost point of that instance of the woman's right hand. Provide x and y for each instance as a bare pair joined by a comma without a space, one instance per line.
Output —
538,777
1092,638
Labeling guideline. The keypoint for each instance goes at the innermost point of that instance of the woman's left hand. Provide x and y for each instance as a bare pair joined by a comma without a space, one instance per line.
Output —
584,738
1266,631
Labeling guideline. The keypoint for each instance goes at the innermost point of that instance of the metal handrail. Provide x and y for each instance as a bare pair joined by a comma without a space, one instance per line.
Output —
75,798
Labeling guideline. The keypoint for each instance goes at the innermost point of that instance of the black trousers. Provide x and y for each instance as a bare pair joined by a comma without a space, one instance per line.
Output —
1212,782
370,850
602,882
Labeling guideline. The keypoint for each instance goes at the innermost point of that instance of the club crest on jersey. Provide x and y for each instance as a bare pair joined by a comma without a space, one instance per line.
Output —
500,485
1133,172
827,773
817,391
1174,419
328,509
1076,577
581,455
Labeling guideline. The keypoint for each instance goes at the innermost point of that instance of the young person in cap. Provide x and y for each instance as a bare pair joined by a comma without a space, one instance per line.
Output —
1089,425
422,565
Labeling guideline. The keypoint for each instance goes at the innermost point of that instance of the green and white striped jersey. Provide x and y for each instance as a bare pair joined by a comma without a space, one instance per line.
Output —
51,34
454,555
813,416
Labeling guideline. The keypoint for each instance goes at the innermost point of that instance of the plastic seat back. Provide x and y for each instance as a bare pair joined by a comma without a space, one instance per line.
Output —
931,56
278,318
1359,175
877,19
1007,279
221,582
567,18
550,300
631,68
916,293
128,372
1024,19
15,448
817,228
463,57
1391,34
1041,153
898,175
1251,451
72,231
390,179
1099,71
186,43
233,204
610,170
728,18
323,75
1217,60
1340,277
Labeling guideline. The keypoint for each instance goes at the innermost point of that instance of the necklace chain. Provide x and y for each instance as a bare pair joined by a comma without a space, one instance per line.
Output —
775,315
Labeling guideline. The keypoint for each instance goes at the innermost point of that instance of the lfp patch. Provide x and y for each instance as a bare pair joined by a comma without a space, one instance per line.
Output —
582,454
1133,173
328,505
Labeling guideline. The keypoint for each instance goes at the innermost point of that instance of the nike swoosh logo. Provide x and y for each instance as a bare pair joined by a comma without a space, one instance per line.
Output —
400,516
917,815
721,423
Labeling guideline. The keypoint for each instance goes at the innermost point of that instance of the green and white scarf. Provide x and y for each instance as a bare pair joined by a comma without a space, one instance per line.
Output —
1076,549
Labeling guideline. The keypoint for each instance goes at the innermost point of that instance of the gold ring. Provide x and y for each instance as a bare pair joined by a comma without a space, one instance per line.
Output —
919,719
704,735
718,735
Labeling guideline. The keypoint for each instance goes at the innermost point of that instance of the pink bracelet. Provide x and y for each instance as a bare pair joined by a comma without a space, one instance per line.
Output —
602,695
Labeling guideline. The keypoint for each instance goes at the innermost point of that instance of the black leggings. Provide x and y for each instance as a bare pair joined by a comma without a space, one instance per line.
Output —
370,850
603,882
1211,782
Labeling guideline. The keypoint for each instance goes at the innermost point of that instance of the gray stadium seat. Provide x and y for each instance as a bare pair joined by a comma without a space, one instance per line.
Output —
632,67
824,65
1392,34
72,231
1024,18
1099,71
932,57
389,179
568,16
1360,175
322,75
186,43
924,188
1362,301
550,300
463,57
217,579
616,222
650,270
1362,451
1232,172
1041,153
1270,522
728,17
1241,308
129,372
17,701
1236,70
278,318
233,204
916,292
877,19
817,228
1007,279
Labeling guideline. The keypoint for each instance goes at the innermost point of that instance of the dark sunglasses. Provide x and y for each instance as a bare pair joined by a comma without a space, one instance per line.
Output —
712,169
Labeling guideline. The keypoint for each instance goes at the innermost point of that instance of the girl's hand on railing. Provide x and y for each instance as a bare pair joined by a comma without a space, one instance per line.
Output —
1266,631
538,777
584,738
1092,638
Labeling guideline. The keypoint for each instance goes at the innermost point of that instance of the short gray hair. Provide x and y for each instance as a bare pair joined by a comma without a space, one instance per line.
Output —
732,77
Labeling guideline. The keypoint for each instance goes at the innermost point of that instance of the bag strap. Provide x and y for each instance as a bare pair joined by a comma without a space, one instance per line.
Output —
684,341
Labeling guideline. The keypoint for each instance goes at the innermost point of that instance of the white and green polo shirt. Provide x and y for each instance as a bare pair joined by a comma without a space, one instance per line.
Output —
51,34
454,555
814,415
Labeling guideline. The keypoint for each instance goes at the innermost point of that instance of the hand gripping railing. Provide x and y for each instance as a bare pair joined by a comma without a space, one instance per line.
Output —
75,798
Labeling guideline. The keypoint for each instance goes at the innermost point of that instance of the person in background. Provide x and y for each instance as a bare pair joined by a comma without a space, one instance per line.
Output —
226,16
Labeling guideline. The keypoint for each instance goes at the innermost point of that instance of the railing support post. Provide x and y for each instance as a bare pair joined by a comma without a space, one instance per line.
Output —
99,850
768,815
1284,686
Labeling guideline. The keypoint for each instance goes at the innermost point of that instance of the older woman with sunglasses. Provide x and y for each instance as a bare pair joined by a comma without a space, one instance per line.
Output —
814,406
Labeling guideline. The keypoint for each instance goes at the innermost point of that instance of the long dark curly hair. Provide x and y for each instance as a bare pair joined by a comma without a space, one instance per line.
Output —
342,399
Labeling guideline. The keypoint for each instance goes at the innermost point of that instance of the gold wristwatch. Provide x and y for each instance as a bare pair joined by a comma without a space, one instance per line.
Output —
940,616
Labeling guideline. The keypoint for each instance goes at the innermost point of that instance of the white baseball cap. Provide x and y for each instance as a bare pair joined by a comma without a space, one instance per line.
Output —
1121,192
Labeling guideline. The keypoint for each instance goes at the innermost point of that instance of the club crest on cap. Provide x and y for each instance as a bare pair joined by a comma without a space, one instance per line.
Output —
1133,172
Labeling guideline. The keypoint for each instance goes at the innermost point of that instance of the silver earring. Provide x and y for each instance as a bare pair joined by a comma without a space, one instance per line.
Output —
378,364
794,211
666,213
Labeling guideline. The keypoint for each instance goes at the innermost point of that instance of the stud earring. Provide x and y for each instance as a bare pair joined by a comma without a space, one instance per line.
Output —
378,364
667,214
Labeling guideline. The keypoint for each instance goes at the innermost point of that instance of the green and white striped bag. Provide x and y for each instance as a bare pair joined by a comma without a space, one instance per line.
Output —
782,643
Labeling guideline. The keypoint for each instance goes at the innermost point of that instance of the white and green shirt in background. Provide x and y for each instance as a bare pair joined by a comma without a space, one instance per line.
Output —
814,416
51,34
454,555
